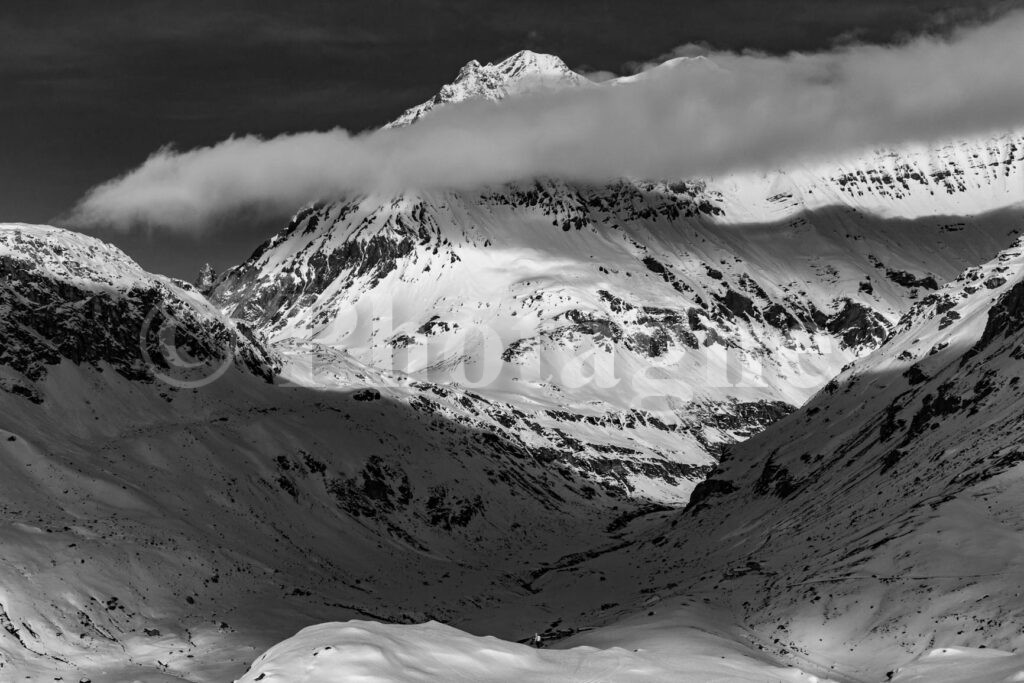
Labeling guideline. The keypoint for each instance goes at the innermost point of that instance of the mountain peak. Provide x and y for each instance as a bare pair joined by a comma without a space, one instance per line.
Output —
524,64
527,62
470,68
523,72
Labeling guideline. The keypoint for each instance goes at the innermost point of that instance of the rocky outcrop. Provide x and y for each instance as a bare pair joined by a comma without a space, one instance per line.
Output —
857,326
68,297
1005,318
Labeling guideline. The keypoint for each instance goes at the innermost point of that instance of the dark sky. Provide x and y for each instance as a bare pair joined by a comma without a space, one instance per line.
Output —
90,89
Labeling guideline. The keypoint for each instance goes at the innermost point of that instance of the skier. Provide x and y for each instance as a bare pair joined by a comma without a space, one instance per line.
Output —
537,642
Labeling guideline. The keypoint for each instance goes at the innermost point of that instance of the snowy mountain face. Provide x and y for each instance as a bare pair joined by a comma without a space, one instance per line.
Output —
675,317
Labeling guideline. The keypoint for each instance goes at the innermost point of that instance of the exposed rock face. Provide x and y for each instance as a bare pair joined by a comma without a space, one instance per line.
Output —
902,277
1005,318
206,280
70,297
858,326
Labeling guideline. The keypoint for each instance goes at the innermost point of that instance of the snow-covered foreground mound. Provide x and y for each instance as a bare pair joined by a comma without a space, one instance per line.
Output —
690,646
370,652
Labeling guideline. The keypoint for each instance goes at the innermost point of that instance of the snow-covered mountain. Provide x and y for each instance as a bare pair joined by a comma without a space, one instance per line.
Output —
675,316
488,409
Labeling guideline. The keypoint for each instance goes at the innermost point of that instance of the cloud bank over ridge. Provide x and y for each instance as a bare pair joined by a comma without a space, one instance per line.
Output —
688,118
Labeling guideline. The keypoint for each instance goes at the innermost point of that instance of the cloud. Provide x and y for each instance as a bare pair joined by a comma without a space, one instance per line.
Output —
598,75
688,50
689,118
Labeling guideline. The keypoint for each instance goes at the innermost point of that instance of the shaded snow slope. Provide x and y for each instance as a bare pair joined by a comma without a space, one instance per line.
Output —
225,519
